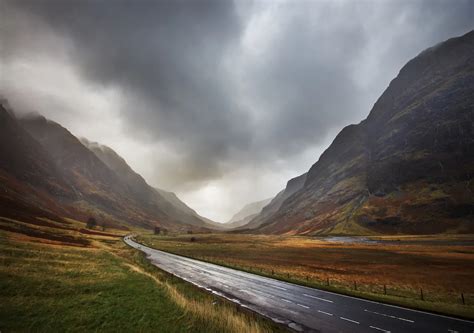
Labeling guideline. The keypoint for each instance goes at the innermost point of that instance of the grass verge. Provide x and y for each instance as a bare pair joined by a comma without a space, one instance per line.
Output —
101,285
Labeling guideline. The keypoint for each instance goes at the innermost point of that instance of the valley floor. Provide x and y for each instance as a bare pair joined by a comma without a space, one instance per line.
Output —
434,273
61,277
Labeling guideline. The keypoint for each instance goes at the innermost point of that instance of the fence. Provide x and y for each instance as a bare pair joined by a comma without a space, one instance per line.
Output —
351,286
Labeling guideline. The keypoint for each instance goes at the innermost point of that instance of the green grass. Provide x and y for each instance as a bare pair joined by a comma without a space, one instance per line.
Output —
105,287
49,289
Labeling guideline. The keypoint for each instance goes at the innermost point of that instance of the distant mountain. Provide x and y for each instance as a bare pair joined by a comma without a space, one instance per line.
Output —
168,202
272,207
46,171
407,168
99,189
246,214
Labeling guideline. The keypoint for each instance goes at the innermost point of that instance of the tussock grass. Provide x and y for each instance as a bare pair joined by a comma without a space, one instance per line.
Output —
224,317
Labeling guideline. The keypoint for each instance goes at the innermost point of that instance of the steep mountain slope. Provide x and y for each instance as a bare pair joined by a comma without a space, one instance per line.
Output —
28,176
408,167
247,213
292,186
101,191
168,202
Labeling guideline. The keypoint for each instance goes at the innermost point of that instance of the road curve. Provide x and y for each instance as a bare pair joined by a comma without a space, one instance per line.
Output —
299,307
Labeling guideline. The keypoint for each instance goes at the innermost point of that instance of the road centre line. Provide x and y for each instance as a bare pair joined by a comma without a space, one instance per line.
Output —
321,299
350,320
389,316
326,313
379,329
205,268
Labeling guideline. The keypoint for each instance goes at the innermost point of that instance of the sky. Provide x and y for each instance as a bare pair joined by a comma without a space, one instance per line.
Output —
221,102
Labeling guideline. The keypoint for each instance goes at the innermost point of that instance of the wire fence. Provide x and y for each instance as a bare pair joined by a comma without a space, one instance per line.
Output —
354,287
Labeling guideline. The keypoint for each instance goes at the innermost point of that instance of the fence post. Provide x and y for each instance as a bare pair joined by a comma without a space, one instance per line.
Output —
273,272
421,294
288,275
384,289
355,285
328,281
463,301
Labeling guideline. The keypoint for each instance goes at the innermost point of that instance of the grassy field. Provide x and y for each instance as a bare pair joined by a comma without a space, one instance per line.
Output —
60,277
423,272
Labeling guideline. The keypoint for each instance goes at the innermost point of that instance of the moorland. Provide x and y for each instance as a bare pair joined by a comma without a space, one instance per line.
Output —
431,272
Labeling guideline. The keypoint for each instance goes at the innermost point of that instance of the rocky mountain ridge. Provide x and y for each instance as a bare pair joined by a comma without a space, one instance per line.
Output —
46,169
407,168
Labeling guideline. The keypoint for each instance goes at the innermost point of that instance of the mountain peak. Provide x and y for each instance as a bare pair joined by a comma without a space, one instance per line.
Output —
407,168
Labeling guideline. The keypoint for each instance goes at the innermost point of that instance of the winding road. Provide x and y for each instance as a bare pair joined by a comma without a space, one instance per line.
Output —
301,308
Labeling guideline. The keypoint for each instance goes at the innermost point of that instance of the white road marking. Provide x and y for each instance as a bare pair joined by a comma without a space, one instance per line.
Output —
384,304
389,316
303,306
132,242
352,321
379,329
286,300
452,331
321,299
408,320
326,313
279,287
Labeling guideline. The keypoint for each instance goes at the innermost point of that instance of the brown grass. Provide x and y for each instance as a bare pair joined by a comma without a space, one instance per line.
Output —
443,269
226,318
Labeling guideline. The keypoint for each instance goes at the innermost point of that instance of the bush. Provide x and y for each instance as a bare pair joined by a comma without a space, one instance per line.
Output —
91,223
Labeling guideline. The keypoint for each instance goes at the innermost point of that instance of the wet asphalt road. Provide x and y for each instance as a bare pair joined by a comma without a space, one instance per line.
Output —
301,308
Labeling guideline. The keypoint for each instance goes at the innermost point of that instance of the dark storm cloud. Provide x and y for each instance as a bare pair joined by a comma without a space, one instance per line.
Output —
310,82
191,82
166,56
307,85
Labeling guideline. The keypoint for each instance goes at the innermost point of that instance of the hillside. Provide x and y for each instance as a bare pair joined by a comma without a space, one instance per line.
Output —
168,202
272,207
29,177
47,172
407,168
100,191
246,214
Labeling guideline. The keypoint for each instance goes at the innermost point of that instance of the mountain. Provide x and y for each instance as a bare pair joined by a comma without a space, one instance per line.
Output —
292,186
168,202
49,169
246,214
407,168
28,176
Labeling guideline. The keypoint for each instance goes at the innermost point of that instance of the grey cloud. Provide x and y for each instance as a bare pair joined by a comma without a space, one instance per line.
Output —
308,83
189,83
167,58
